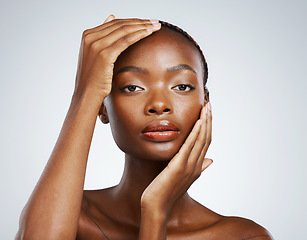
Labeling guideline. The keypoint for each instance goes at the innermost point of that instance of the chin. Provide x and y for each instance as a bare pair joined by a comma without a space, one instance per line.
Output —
158,151
162,156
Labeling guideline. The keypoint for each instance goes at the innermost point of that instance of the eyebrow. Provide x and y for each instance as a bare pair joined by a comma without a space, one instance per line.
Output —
176,68
132,69
181,67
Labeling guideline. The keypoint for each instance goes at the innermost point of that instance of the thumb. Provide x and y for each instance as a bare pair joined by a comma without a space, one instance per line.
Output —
206,163
109,18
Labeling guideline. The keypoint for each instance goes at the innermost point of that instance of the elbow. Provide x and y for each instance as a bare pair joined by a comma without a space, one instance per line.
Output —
30,233
23,235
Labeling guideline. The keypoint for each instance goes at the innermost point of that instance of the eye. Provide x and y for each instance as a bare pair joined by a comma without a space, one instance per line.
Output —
184,87
131,88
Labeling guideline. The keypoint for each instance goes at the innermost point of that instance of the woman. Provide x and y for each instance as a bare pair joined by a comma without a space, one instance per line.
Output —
149,82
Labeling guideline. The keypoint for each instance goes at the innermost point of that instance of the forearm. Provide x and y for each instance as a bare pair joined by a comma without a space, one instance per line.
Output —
54,206
153,226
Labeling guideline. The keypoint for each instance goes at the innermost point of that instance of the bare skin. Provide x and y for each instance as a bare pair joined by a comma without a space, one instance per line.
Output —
151,201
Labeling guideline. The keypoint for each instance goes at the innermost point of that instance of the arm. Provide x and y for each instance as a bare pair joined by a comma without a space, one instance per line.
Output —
186,166
52,212
260,237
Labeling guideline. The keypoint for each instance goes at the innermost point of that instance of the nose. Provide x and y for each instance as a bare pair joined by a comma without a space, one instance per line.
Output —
158,103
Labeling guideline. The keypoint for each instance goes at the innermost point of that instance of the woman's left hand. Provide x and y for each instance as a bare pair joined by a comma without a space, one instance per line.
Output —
185,167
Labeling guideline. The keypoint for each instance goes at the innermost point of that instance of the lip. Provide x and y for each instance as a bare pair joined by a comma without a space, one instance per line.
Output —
160,131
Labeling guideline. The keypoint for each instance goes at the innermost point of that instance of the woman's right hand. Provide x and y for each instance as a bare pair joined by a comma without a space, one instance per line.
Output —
100,48
53,210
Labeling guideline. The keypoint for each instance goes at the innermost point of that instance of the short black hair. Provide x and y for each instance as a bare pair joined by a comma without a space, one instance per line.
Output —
190,39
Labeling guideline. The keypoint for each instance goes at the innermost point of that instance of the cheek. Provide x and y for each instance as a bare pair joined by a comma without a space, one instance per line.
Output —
187,114
123,121
189,107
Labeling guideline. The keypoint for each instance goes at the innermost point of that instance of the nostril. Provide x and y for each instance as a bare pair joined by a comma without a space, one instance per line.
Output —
166,110
152,110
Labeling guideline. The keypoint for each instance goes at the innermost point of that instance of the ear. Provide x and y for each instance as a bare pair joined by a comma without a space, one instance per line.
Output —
103,115
206,98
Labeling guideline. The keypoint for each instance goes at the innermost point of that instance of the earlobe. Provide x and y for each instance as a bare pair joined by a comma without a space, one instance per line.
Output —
103,115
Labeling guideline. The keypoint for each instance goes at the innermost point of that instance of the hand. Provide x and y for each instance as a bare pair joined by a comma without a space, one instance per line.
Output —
100,48
185,167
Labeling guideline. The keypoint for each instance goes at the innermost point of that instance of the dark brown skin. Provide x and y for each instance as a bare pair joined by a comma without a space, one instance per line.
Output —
131,88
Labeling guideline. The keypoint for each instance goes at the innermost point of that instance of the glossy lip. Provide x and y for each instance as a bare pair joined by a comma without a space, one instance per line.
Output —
160,131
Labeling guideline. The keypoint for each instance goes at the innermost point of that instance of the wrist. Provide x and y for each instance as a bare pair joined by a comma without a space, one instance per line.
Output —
90,95
155,207
153,225
154,215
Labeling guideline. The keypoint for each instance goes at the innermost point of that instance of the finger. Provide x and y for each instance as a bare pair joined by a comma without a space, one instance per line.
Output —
109,18
102,39
123,43
200,141
116,23
206,163
185,150
208,133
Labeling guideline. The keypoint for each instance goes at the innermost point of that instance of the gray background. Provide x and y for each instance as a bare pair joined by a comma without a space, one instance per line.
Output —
256,52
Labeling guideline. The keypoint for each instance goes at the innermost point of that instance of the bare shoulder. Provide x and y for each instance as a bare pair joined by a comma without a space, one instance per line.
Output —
238,228
203,223
87,226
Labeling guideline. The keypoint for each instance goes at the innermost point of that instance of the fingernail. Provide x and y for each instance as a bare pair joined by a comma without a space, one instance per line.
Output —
200,122
157,26
209,106
154,21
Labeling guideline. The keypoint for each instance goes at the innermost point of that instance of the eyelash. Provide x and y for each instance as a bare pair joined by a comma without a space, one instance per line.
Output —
126,88
132,88
185,86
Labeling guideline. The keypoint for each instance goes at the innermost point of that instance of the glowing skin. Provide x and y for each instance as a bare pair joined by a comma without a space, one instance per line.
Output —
164,73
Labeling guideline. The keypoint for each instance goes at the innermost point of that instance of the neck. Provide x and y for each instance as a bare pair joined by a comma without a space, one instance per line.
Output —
138,174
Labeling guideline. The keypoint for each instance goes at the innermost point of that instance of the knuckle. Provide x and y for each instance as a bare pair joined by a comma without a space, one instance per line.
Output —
119,23
107,55
85,33
102,54
146,25
137,20
188,171
87,39
117,20
125,28
143,21
179,170
94,46
126,39
185,174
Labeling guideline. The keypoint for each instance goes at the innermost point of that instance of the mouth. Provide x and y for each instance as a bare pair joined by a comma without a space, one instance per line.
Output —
161,131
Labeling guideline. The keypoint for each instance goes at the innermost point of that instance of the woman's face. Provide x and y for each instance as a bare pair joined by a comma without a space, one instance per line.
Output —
156,96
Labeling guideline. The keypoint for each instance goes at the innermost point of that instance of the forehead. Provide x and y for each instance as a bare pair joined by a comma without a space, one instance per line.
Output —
163,49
